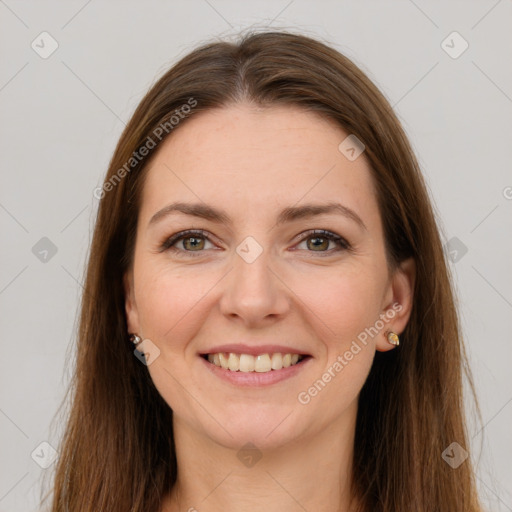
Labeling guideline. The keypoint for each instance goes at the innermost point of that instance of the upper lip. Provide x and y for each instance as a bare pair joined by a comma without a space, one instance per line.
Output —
253,349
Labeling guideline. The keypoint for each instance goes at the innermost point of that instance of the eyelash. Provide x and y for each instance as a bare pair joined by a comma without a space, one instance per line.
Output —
343,245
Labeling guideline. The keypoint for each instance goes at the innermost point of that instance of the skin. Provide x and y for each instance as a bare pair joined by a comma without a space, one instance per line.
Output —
253,162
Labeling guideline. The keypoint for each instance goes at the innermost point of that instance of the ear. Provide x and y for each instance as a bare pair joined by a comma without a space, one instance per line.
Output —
132,315
398,303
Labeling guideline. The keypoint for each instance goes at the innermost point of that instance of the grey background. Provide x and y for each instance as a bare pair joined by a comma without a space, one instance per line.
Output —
61,117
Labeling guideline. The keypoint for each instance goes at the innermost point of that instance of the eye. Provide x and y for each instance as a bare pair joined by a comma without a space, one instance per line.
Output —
318,240
192,241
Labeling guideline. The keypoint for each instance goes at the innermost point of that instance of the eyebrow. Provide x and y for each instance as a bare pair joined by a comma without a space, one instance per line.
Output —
289,214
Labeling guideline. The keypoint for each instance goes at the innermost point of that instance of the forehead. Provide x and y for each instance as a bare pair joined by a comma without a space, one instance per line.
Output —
255,160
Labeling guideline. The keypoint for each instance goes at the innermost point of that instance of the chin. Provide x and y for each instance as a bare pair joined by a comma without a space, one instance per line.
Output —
265,428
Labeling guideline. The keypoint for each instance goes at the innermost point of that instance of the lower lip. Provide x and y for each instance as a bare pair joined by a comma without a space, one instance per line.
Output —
256,379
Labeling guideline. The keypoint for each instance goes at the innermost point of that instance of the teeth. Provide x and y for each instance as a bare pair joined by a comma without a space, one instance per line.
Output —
277,361
262,363
223,361
248,363
233,362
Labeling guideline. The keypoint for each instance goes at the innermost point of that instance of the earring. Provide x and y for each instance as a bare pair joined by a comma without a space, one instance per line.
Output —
135,339
393,338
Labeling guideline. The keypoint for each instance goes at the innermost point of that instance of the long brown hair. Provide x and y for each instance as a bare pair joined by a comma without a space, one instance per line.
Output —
117,452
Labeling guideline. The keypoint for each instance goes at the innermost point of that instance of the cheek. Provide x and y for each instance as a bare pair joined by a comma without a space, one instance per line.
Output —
344,302
345,308
170,303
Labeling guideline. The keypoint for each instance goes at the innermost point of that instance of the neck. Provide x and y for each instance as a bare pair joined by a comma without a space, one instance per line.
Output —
310,473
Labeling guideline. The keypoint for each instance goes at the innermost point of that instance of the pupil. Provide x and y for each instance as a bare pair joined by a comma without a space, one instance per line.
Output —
194,244
319,238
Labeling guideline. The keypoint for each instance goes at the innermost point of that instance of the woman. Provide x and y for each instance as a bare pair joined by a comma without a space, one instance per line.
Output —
268,320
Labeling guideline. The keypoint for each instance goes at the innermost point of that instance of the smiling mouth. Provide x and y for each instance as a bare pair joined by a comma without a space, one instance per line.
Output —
247,363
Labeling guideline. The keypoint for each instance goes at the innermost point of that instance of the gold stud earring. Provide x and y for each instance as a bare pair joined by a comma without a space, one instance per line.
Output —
135,339
393,338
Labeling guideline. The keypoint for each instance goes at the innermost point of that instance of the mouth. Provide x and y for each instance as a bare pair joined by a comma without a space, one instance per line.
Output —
259,363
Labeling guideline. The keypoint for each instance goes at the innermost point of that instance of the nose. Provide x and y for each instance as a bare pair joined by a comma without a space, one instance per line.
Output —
254,292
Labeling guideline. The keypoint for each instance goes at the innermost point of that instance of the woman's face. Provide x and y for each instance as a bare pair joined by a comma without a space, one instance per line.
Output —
254,277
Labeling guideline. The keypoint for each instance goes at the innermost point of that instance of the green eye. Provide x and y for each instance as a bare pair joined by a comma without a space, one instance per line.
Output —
321,239
193,242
